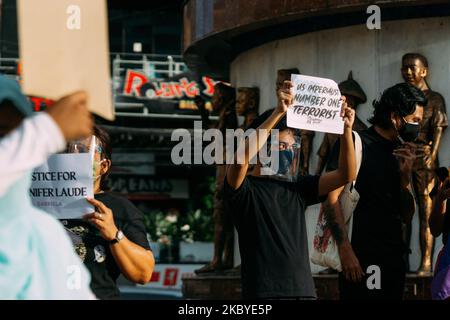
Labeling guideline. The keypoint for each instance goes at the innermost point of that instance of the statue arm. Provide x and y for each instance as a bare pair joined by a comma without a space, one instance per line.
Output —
440,122
437,135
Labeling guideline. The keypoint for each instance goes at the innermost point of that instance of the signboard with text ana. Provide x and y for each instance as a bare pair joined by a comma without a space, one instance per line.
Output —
148,185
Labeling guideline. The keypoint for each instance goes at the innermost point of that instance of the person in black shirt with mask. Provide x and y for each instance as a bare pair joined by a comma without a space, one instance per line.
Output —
112,240
386,203
268,207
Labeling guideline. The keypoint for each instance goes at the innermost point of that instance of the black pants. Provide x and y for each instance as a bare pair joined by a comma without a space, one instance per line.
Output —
392,280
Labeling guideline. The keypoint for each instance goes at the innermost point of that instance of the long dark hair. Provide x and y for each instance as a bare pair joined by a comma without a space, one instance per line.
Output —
104,142
400,99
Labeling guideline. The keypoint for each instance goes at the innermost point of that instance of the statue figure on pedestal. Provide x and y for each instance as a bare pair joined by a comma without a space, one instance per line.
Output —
414,71
223,101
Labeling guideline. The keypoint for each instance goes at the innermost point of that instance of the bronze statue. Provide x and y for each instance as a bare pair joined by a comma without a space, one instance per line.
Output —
247,104
414,71
306,136
223,101
355,96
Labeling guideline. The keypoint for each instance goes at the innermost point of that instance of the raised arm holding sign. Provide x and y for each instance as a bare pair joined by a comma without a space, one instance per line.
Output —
267,204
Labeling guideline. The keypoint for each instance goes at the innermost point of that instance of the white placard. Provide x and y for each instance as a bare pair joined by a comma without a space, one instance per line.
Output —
316,105
61,185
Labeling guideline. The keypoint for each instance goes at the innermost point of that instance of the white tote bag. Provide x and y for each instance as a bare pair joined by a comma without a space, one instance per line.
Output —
325,250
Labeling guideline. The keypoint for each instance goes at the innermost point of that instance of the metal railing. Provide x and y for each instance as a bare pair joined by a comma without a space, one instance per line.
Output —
10,67
154,66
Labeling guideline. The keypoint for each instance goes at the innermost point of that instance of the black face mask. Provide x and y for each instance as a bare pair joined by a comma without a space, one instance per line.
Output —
409,132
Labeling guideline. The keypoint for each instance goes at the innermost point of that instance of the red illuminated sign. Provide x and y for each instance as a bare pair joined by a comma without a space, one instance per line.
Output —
155,276
183,88
170,277
40,103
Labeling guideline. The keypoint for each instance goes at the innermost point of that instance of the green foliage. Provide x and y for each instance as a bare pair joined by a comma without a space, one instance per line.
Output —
196,224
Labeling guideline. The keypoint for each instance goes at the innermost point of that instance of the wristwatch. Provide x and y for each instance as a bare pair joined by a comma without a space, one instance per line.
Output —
119,236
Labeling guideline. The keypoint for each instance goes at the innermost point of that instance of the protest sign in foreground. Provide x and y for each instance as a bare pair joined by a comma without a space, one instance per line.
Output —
316,105
61,185
64,48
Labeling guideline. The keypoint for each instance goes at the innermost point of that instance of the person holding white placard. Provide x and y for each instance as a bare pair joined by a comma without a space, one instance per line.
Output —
306,136
112,240
268,208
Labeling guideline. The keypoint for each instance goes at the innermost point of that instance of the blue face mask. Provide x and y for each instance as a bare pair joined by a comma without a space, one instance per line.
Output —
286,162
286,157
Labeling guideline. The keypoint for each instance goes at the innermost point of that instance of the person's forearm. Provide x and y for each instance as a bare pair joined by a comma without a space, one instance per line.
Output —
347,161
335,221
346,171
28,147
135,262
249,149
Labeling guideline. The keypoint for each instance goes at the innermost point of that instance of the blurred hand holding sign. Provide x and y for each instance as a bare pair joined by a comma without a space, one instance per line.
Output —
316,105
64,48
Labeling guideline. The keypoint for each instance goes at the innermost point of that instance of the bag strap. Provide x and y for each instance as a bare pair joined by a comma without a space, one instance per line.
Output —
358,155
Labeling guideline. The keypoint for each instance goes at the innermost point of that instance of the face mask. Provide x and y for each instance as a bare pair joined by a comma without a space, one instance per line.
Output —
287,165
409,131
286,157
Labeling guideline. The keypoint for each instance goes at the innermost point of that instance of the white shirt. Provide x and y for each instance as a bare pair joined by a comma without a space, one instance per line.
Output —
50,268
27,147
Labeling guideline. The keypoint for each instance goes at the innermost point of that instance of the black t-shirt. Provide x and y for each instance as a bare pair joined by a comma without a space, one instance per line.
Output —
446,226
377,224
94,251
269,217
